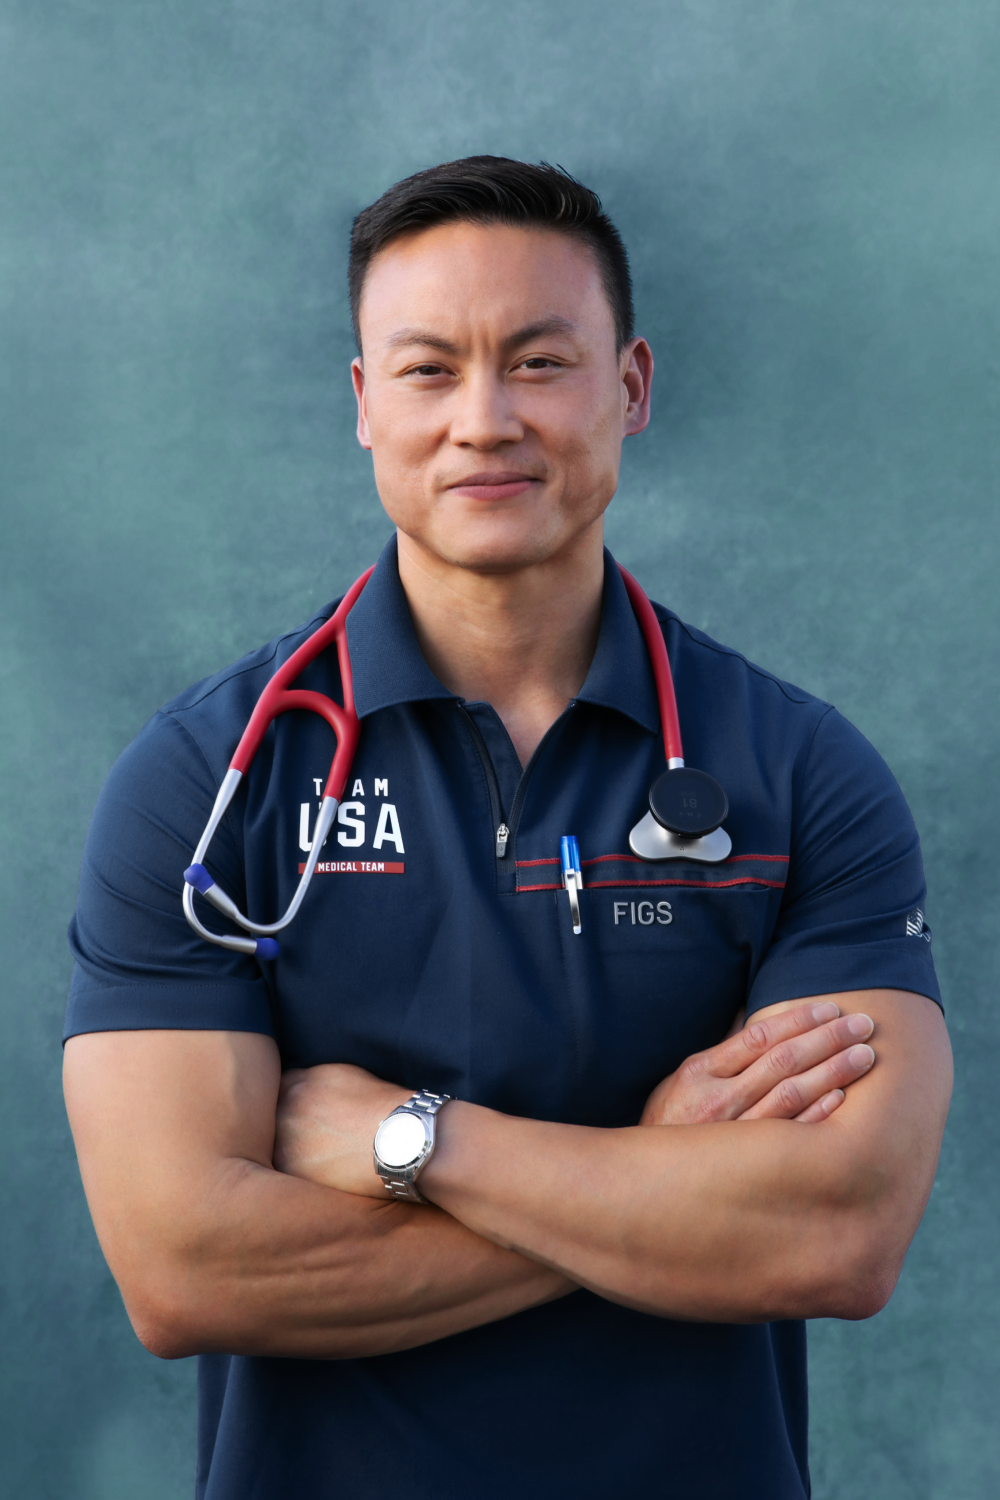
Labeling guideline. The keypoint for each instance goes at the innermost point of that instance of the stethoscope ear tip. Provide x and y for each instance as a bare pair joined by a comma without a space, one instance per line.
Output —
199,877
266,948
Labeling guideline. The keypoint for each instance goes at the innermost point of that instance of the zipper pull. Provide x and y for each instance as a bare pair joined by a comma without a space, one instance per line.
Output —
503,834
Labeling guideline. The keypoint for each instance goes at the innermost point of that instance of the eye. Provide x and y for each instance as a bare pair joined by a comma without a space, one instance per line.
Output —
539,364
427,370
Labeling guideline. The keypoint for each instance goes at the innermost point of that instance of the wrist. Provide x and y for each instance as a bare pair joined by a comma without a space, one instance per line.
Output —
457,1127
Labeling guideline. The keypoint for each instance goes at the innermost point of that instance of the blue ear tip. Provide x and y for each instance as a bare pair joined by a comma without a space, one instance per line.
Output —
199,877
267,948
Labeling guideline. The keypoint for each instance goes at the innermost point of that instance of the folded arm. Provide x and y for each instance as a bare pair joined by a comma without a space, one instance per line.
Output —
214,1250
774,1176
728,1220
725,1204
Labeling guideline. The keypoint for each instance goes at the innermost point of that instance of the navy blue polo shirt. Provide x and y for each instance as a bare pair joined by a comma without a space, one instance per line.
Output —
423,957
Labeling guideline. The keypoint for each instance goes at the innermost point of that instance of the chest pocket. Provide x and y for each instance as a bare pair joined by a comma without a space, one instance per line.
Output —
656,973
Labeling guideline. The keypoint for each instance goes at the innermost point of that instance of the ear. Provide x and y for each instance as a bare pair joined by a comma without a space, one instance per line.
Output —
637,379
358,380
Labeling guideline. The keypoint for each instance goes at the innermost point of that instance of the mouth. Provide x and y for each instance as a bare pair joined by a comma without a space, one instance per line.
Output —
500,485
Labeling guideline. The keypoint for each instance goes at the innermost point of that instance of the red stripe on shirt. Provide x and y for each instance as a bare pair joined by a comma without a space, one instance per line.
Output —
708,885
633,859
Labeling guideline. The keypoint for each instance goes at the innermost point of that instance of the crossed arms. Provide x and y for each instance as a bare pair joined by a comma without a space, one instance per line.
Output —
778,1175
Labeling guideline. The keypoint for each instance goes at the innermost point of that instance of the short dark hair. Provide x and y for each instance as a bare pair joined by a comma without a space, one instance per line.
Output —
494,190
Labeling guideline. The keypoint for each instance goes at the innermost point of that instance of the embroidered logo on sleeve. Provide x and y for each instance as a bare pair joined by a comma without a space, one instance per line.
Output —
916,926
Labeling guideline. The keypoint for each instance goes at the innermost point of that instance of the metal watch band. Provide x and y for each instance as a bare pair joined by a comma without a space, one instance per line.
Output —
400,1184
396,1187
427,1102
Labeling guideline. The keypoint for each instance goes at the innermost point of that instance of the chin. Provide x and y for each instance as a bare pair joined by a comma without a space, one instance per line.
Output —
498,554
505,544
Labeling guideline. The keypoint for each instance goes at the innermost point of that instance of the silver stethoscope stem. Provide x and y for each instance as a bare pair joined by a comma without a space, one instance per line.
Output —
223,940
197,878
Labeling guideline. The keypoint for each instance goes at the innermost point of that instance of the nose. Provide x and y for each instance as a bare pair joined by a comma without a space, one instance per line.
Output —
484,416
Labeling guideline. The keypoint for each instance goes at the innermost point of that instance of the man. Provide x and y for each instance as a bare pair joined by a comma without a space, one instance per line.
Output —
633,1198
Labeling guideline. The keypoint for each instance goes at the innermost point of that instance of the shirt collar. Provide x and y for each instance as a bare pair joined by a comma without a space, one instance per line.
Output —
389,667
387,663
620,675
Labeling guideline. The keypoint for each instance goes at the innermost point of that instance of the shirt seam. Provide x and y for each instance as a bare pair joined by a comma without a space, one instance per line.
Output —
720,650
478,761
228,816
231,674
187,982
806,896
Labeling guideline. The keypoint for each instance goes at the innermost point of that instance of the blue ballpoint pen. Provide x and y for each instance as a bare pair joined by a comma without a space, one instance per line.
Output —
569,852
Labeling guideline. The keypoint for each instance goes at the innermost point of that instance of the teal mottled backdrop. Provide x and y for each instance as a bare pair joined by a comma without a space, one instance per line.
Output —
811,193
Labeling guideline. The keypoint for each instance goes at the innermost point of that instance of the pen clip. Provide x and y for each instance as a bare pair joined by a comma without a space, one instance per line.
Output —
572,875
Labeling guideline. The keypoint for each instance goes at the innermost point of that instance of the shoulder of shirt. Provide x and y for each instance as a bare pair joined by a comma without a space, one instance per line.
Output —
704,645
248,675
211,714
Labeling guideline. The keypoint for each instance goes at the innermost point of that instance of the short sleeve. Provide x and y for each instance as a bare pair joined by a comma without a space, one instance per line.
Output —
853,912
138,963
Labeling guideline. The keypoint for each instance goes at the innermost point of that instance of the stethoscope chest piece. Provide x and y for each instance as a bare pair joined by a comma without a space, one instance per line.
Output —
686,810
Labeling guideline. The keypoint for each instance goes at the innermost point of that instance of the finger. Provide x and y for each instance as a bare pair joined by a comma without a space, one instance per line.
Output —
822,1109
795,1056
788,1099
735,1054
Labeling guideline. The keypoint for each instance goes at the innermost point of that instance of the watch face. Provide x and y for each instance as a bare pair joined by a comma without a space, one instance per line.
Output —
400,1139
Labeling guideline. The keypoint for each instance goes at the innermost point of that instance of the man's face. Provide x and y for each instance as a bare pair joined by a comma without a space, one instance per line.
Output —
491,394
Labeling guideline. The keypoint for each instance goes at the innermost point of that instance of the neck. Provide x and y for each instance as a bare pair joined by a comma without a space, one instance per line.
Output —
522,641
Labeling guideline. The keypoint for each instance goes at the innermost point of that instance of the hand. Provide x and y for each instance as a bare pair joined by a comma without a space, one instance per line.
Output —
326,1122
789,1065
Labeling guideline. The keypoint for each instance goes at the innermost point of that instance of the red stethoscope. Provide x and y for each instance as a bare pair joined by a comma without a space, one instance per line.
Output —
686,807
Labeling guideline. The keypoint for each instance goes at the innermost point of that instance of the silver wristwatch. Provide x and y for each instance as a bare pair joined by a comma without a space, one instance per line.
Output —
404,1142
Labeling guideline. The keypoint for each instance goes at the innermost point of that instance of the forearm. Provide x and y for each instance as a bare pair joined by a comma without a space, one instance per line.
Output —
288,1268
722,1222
215,1250
730,1221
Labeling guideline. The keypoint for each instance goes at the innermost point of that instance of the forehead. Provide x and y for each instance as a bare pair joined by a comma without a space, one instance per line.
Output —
500,276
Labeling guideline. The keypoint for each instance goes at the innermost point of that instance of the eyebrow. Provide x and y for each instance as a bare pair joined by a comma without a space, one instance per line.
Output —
543,328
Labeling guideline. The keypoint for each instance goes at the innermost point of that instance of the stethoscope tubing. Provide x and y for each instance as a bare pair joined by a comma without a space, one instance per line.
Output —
278,697
662,675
